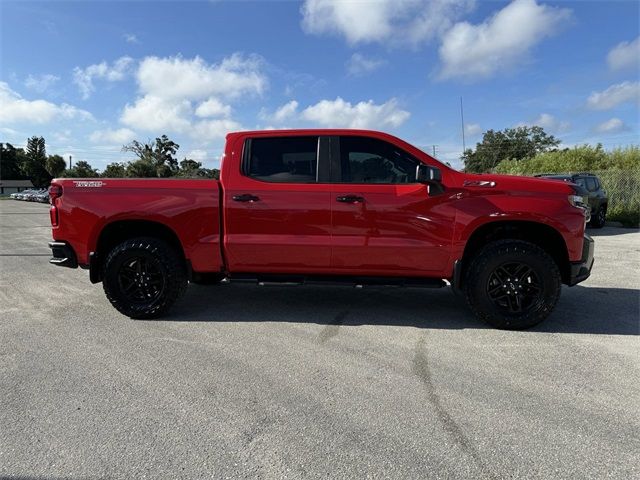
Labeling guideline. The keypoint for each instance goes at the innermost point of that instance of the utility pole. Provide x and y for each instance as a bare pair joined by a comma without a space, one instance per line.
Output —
435,148
464,147
70,164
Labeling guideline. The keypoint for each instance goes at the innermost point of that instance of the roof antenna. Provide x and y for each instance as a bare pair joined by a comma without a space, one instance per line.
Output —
464,148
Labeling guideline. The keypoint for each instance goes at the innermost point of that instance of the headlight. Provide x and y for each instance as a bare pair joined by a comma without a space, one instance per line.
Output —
577,201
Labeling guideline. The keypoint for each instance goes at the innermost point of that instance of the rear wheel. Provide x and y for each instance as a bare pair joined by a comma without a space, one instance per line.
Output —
143,277
512,284
600,217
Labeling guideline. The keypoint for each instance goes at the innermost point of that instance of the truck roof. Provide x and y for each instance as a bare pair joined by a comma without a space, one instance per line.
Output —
312,131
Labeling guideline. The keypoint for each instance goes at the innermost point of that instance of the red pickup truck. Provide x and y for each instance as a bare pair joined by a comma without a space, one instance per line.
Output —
341,206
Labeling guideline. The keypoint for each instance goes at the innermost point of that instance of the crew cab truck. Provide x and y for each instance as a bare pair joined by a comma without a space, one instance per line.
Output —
342,206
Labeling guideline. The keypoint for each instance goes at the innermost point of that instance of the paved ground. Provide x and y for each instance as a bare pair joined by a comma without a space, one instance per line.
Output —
247,382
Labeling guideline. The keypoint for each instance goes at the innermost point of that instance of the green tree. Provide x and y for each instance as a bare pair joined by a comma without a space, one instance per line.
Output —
509,144
115,170
211,173
160,154
143,168
55,165
190,168
81,169
35,164
11,161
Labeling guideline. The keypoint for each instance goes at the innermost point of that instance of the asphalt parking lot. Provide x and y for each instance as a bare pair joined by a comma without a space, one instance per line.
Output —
248,382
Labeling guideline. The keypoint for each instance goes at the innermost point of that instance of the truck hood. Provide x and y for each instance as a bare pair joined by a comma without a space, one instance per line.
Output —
515,182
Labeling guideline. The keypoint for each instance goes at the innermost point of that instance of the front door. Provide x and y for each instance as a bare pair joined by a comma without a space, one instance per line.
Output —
277,215
384,223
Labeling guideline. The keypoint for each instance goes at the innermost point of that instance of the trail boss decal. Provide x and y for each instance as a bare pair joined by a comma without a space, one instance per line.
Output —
89,184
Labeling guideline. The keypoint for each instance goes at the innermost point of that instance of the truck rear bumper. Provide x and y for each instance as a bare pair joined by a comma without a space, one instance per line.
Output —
63,255
581,270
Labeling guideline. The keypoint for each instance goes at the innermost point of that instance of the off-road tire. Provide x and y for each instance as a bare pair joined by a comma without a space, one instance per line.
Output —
490,260
599,218
164,260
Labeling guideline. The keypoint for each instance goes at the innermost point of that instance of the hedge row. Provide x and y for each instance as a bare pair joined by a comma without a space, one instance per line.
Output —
619,171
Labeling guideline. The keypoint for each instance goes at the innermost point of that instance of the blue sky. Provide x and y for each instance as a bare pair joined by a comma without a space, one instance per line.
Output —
90,76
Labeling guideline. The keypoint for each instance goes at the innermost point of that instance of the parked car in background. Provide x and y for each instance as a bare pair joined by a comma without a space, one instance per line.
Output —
596,196
42,196
32,195
22,195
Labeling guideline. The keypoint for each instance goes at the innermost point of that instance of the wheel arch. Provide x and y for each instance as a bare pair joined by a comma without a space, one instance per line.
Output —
540,234
119,231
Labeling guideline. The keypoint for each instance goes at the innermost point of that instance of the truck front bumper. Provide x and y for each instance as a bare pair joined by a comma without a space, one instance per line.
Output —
63,255
581,270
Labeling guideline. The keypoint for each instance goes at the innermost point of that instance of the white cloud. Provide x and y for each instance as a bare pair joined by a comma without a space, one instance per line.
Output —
130,38
500,42
551,124
615,95
14,109
358,64
176,92
40,83
213,108
83,77
63,136
285,112
612,125
472,129
208,130
193,79
338,113
198,155
158,114
119,136
384,21
624,55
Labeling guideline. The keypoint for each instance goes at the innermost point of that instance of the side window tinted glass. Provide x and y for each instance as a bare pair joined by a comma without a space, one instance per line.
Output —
283,159
591,184
369,160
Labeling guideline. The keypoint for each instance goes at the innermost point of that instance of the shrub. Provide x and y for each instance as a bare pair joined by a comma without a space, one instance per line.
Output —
618,169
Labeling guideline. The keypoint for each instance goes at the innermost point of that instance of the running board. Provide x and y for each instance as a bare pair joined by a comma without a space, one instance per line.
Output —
265,280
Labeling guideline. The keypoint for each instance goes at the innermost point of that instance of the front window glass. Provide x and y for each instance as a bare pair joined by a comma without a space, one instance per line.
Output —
369,160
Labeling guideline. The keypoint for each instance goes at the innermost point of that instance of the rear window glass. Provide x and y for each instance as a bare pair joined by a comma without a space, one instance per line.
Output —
283,159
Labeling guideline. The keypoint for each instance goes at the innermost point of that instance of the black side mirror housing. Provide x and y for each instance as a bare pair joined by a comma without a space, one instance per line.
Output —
428,174
431,176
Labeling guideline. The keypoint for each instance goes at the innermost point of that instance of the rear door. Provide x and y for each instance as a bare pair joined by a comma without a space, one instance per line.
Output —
277,211
384,222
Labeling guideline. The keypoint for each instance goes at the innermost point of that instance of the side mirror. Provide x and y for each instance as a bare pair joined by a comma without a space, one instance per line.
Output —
431,176
428,174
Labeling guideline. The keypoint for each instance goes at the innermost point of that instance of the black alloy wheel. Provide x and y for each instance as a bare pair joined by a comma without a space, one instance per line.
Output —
141,280
514,288
512,284
143,277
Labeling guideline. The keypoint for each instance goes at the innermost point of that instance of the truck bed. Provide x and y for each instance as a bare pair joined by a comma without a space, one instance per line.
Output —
190,208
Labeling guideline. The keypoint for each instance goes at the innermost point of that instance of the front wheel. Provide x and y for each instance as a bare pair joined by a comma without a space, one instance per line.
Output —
143,277
512,284
600,217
